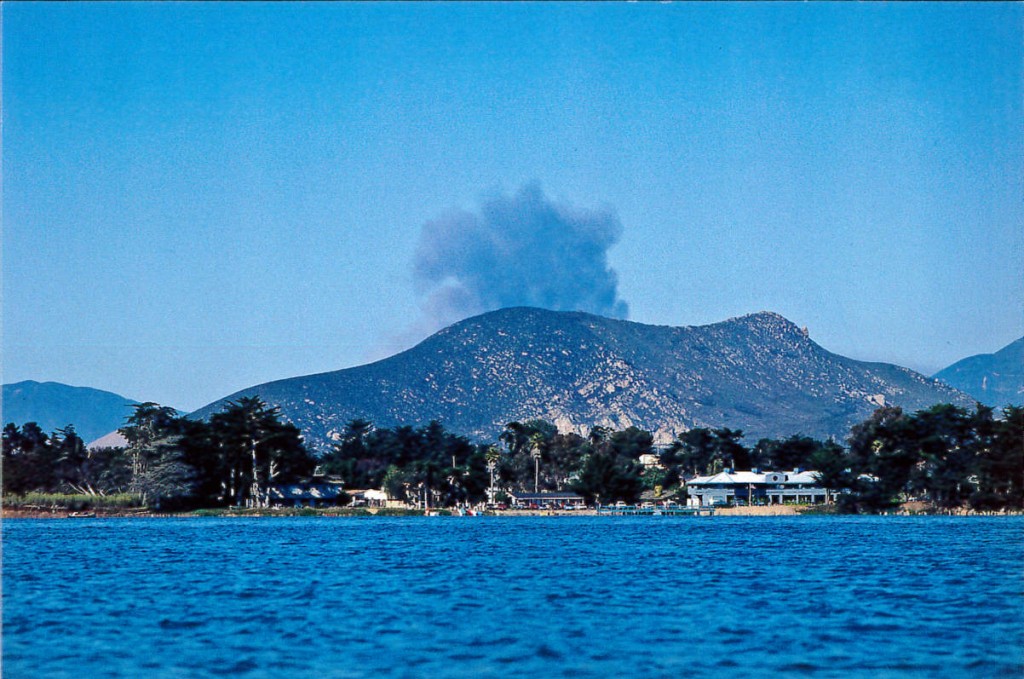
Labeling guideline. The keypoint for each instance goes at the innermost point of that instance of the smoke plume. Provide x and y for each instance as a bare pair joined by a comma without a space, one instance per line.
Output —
521,250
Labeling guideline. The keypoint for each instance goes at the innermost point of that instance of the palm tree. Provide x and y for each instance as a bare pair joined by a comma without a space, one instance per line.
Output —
536,441
493,456
598,435
515,437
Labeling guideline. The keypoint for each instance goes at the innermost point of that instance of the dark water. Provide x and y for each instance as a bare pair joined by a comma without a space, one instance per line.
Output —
484,597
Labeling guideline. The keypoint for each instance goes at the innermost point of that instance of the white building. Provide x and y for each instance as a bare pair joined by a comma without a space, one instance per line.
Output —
756,487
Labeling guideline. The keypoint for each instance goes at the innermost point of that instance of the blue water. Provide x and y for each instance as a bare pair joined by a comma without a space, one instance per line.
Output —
500,597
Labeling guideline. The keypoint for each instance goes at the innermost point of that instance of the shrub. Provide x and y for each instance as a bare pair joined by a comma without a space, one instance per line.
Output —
75,502
396,511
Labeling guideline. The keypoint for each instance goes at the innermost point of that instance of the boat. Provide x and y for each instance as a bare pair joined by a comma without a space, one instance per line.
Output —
82,515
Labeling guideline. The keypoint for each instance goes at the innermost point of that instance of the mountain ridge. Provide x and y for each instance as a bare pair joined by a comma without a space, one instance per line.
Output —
995,379
54,405
759,372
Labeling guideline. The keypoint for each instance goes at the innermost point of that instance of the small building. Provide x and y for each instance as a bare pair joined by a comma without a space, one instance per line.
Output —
319,491
755,487
367,498
650,460
374,498
547,500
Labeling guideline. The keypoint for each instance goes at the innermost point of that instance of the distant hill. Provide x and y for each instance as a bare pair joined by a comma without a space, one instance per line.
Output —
114,439
53,405
995,379
759,373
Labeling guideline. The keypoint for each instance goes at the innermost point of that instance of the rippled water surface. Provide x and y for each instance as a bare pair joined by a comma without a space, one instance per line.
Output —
499,597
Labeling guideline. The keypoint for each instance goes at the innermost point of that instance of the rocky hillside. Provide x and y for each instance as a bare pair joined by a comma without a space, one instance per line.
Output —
994,379
53,405
759,373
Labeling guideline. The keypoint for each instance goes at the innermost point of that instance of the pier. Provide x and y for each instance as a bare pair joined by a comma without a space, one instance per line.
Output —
634,510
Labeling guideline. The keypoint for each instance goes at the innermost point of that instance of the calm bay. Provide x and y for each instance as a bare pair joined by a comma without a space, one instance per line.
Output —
495,597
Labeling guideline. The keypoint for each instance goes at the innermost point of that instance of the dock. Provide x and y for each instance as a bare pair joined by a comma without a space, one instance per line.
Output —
634,510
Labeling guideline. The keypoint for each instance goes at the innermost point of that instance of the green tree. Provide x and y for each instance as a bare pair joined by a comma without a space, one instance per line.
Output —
150,432
108,470
944,439
348,457
493,458
475,477
29,461
703,451
518,464
883,456
691,452
73,468
795,452
728,449
999,466
257,450
167,481
631,443
396,483
832,467
158,472
605,477
564,455
516,438
537,442
199,449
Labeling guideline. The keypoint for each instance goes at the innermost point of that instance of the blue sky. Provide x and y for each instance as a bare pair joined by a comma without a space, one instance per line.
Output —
198,198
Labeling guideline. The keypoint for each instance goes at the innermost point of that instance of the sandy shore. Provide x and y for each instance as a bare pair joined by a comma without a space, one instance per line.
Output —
33,513
766,510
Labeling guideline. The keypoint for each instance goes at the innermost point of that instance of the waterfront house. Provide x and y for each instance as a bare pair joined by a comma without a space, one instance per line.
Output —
547,499
755,487
360,497
319,491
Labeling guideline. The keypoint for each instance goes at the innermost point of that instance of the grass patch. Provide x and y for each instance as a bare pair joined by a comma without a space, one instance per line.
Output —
397,511
208,512
73,502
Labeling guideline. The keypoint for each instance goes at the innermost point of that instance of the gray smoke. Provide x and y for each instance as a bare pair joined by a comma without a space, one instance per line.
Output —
521,250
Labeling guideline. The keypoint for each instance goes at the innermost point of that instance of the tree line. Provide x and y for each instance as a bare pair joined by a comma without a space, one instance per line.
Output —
431,466
945,455
169,461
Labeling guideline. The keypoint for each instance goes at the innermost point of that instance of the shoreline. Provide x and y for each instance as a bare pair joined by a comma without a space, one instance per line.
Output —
345,513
